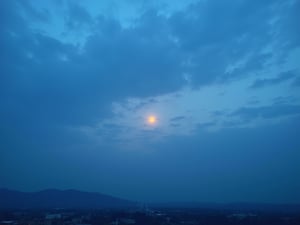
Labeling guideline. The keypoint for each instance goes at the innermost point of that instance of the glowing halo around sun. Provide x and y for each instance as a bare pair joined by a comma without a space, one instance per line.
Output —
152,120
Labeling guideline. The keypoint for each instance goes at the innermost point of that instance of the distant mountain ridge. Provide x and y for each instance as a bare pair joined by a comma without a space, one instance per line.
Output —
74,199
52,198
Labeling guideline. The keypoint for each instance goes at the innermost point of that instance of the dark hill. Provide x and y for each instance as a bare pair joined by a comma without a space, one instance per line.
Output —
68,199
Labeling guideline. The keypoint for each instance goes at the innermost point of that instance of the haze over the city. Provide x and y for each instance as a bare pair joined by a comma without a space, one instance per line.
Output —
155,101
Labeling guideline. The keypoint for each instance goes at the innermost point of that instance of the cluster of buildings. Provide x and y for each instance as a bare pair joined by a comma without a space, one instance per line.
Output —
144,217
66,218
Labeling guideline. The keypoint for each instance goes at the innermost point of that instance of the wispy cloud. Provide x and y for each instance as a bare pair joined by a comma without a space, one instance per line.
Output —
282,77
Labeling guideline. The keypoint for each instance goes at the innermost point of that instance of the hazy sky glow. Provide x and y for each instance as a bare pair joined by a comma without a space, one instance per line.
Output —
80,79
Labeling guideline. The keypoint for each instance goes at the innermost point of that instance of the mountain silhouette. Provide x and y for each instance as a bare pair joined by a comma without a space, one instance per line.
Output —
66,199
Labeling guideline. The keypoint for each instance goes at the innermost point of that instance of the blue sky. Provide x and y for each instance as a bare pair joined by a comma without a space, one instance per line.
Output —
78,80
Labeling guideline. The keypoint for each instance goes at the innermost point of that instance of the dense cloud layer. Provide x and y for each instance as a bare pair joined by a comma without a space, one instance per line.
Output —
149,58
51,88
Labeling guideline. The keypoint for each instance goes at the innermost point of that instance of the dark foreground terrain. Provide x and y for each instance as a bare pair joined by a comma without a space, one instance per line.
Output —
145,216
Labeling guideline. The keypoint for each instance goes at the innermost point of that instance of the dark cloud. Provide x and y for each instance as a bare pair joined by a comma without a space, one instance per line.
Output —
241,30
46,79
253,101
231,124
37,15
219,113
177,118
282,77
142,104
138,64
211,43
285,100
287,29
202,126
296,82
78,17
267,112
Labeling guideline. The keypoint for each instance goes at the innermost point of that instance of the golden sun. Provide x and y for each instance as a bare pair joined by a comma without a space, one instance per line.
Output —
151,120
